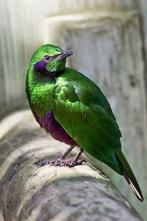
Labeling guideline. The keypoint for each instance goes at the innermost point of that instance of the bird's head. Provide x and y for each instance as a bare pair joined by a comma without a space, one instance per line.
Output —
49,59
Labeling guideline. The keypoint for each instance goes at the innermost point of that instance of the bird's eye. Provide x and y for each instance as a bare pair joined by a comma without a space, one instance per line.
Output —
47,57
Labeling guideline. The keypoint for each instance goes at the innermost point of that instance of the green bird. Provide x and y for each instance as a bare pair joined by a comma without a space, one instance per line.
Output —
74,110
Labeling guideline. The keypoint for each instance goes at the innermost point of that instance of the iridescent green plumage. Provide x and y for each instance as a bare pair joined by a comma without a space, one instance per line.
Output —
81,109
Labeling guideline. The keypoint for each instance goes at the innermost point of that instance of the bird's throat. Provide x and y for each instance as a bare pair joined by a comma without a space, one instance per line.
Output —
55,74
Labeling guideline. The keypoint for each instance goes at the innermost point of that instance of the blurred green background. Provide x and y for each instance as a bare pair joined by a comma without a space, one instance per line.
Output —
109,41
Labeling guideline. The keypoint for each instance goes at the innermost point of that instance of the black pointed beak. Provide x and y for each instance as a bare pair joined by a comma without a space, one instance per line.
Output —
65,54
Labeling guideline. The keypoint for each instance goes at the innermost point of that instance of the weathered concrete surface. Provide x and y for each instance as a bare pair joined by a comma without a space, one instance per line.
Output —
28,193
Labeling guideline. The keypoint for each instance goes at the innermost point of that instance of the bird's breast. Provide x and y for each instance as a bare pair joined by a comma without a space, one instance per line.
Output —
49,123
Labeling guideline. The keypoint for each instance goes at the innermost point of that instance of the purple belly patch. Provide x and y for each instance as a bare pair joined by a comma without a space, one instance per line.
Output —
49,123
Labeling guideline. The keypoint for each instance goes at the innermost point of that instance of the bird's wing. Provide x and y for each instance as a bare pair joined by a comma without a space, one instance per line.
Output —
89,125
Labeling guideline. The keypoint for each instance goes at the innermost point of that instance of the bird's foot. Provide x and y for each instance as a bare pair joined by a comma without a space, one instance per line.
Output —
60,162
66,162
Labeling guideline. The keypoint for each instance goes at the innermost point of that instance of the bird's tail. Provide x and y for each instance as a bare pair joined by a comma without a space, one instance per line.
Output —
129,176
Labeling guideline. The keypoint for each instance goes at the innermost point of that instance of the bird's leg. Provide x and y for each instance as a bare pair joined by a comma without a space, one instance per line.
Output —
68,162
63,162
67,152
78,155
76,160
58,162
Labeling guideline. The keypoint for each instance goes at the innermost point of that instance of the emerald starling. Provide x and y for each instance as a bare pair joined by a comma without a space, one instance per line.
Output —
74,110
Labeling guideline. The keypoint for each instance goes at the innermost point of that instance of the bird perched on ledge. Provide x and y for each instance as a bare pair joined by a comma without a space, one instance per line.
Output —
74,110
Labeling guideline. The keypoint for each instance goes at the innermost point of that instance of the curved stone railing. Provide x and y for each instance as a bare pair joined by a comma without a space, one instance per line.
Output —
30,193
